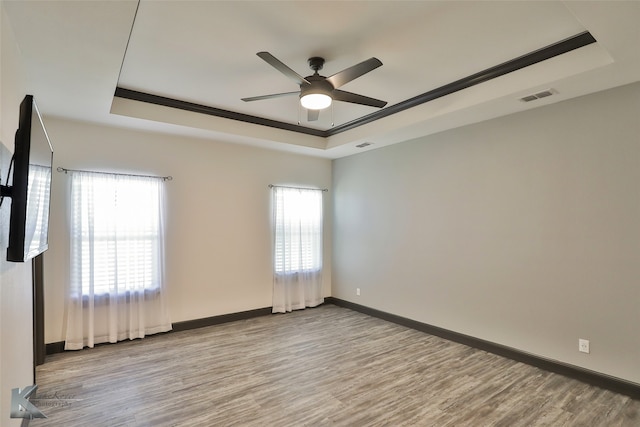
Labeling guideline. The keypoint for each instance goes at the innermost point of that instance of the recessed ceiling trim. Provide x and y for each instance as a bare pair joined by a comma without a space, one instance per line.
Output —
564,46
559,48
149,98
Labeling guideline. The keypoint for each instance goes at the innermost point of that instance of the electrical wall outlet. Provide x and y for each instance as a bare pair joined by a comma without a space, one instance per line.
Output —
358,291
583,345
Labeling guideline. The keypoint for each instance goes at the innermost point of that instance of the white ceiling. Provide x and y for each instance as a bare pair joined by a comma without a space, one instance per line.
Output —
204,52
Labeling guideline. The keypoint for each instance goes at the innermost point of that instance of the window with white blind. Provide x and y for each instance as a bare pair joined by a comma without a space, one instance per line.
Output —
115,233
298,230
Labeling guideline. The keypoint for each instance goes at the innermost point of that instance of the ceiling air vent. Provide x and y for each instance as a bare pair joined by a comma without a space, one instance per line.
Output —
538,95
364,144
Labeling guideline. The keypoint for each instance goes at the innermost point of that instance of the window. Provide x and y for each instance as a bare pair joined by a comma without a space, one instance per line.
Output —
298,230
116,229
116,288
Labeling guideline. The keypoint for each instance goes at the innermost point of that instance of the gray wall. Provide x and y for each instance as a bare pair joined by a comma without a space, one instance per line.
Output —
522,230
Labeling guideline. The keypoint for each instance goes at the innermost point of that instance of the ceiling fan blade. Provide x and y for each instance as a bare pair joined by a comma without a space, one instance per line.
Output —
354,98
312,115
278,65
345,76
275,95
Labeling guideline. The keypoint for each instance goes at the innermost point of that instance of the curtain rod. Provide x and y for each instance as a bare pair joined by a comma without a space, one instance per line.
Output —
324,190
164,178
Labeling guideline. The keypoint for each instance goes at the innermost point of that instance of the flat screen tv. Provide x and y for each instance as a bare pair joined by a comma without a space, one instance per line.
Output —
31,186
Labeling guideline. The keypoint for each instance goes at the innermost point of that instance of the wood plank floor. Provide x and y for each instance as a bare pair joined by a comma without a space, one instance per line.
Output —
327,366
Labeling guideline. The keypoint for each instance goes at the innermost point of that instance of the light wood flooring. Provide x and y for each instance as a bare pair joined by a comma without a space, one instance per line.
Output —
327,366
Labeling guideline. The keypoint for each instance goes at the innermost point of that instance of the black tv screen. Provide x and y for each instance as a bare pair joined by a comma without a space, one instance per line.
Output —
31,188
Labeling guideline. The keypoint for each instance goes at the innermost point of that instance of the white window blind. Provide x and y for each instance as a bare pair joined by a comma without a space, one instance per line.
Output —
115,233
298,230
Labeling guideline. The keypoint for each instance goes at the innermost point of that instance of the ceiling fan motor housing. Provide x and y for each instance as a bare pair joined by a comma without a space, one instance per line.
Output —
319,84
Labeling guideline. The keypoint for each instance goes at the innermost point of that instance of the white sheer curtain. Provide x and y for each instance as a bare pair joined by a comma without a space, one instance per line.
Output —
117,259
297,281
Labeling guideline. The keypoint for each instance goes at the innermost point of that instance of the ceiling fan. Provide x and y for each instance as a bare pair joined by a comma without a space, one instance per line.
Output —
316,91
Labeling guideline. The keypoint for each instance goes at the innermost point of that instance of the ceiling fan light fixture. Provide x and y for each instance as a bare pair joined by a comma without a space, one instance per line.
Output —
315,101
318,92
